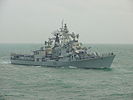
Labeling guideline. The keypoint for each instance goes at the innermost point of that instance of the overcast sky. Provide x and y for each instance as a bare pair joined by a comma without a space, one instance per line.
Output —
97,21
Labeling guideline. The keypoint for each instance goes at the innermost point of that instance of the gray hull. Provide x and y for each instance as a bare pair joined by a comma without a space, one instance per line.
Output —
103,62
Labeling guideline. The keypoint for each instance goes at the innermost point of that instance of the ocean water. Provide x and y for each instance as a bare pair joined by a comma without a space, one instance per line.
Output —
18,82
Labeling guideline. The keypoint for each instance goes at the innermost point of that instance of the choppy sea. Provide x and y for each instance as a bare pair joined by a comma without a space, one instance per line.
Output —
18,82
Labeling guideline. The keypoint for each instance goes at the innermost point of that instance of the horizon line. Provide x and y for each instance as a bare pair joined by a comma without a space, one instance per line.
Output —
43,43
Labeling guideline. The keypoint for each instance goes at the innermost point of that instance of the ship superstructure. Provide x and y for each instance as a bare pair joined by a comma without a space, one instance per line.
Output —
63,50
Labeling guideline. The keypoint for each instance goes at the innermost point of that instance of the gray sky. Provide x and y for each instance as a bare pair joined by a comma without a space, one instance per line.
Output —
97,21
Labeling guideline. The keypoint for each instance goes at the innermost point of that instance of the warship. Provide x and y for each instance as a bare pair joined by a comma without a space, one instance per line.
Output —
64,50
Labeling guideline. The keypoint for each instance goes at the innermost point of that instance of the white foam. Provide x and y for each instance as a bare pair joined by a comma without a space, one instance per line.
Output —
72,67
4,62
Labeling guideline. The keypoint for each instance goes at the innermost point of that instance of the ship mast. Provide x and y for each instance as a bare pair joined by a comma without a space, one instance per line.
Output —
62,24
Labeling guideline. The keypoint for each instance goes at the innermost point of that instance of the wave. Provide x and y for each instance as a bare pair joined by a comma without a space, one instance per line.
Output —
5,60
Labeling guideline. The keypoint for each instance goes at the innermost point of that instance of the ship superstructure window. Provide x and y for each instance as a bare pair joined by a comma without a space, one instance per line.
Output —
37,59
